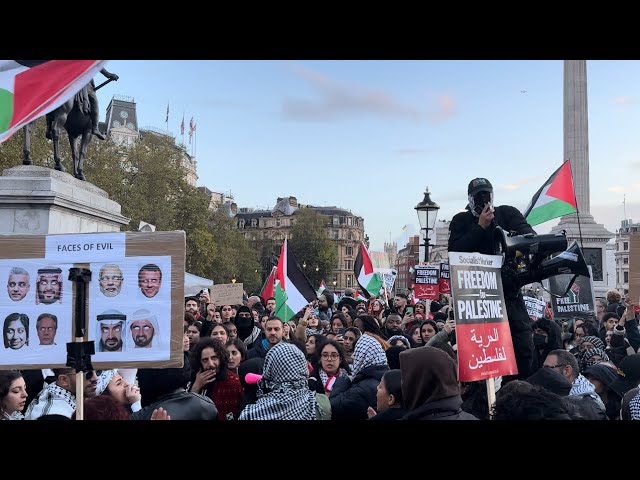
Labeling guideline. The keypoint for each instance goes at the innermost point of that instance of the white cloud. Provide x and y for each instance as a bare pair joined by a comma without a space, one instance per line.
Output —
335,99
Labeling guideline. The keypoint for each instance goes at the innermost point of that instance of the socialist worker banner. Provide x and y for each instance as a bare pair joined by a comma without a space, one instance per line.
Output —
483,336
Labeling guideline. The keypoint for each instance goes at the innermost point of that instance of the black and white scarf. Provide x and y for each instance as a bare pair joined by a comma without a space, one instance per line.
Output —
368,353
283,391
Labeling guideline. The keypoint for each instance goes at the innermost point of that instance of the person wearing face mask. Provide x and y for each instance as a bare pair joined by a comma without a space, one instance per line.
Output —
248,332
473,231
547,336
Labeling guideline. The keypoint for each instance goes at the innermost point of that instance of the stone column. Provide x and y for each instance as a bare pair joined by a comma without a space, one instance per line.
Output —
576,128
576,149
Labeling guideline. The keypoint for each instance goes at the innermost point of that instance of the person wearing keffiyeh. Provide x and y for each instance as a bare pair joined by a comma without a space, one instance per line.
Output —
591,357
350,400
283,390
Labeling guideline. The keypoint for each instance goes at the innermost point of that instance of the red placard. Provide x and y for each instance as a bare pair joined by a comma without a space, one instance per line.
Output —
443,281
424,291
485,349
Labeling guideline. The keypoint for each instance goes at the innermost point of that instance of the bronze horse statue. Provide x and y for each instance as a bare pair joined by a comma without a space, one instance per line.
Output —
79,117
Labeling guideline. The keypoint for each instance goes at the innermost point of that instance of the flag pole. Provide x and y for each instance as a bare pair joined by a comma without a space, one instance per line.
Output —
577,209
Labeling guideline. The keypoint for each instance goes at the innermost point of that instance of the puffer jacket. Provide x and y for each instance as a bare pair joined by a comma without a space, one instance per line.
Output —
351,399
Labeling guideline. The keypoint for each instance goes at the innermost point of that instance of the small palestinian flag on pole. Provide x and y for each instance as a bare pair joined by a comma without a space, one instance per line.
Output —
322,288
555,198
30,89
370,282
269,286
293,289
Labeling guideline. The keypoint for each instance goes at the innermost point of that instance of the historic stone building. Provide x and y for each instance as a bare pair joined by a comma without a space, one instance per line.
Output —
408,257
122,127
344,228
622,241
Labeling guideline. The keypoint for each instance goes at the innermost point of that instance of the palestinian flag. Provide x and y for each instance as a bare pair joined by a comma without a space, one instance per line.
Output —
554,199
268,287
370,282
322,288
32,88
293,289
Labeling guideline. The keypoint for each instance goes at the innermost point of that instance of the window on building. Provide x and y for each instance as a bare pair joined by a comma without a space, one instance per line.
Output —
626,277
625,246
254,222
348,264
349,280
349,251
277,222
625,260
617,246
617,278
336,221
349,236
336,234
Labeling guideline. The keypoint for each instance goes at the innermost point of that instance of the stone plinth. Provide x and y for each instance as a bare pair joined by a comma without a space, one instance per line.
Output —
40,201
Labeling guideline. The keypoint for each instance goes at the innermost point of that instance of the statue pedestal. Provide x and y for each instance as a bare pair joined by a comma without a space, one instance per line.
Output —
40,201
595,238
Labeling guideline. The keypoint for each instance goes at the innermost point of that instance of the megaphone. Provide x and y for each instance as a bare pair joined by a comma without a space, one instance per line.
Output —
530,256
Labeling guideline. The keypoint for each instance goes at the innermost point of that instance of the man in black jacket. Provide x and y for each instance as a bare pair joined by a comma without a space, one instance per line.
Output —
474,231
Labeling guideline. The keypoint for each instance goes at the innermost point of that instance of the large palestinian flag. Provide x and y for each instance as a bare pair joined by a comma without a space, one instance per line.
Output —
370,282
293,289
32,88
554,199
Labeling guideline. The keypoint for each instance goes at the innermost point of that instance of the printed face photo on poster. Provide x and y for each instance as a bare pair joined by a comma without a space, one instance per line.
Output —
110,325
143,328
150,280
110,279
49,285
15,331
46,328
18,284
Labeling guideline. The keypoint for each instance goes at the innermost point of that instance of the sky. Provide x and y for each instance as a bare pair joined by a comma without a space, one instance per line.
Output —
370,136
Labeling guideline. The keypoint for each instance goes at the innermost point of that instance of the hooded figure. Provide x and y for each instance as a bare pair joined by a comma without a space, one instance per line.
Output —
351,399
430,389
283,390
248,332
143,328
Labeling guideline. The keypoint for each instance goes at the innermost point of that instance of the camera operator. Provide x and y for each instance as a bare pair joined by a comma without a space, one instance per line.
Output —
474,231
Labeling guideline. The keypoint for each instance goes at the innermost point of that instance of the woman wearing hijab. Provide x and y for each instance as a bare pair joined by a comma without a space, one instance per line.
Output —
283,390
602,377
430,388
350,399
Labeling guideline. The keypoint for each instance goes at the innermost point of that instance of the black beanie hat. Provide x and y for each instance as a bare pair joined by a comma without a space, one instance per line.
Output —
435,306
551,380
329,296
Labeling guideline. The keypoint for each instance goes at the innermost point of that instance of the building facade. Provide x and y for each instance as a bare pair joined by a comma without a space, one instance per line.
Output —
439,251
408,257
344,228
621,254
122,127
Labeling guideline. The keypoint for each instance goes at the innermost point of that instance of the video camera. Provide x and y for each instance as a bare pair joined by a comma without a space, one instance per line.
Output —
530,256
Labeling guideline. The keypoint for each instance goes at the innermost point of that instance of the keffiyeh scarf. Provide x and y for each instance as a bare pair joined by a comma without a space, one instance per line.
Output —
368,353
283,391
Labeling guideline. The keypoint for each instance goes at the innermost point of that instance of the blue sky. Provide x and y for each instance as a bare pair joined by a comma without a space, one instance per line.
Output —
369,136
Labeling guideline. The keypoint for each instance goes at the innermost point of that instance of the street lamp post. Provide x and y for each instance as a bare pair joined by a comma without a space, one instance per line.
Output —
334,286
427,211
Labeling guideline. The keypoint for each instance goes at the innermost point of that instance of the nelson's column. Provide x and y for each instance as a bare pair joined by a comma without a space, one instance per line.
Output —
576,149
